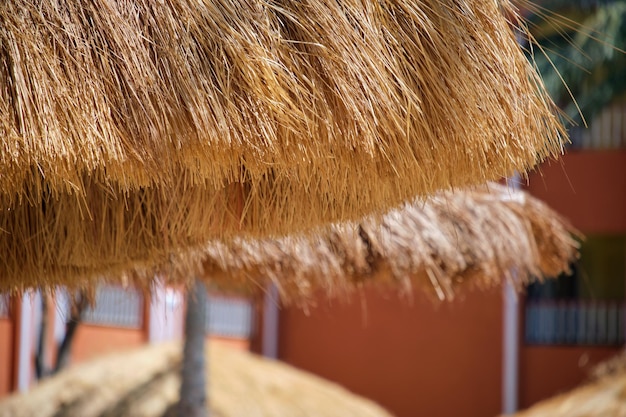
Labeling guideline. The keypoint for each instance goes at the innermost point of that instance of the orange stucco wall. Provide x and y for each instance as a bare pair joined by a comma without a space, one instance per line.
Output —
233,343
91,341
587,187
547,371
423,359
6,356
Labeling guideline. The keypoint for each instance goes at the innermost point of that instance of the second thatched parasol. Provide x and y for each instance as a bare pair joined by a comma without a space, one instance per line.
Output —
479,237
143,383
602,396
472,238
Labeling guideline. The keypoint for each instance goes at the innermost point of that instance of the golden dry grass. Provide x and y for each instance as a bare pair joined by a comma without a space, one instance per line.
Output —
144,383
474,237
132,94
478,236
131,130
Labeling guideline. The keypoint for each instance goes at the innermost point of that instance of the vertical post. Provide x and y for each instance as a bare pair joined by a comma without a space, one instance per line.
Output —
25,342
157,322
621,306
270,322
510,349
61,311
510,337
166,316
193,389
41,356
15,311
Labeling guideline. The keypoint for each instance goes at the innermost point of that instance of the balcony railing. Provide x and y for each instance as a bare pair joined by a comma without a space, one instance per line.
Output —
116,307
606,131
229,317
119,307
579,322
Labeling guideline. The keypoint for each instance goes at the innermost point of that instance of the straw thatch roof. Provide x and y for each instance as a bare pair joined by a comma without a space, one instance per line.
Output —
479,237
129,131
602,397
144,383
482,237
133,94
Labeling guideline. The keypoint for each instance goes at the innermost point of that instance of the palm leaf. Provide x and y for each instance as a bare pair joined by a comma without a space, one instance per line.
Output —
579,52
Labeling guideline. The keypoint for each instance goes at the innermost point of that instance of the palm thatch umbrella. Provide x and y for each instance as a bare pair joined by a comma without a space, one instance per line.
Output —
478,235
143,383
132,129
135,94
477,238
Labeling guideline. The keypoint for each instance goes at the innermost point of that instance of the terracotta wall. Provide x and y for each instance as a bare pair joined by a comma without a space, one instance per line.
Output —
231,342
588,187
423,359
6,356
92,340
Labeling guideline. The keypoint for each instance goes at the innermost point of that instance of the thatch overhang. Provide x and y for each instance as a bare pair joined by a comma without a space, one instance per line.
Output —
480,236
474,238
477,237
136,93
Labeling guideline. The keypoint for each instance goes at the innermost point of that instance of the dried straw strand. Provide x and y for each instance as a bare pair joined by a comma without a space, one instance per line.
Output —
477,238
131,94
474,237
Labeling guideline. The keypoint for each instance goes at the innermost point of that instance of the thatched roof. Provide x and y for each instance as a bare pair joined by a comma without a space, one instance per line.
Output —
144,383
133,94
481,237
130,130
477,238
602,397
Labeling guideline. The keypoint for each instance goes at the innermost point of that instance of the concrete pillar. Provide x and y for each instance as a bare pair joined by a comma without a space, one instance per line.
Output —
270,322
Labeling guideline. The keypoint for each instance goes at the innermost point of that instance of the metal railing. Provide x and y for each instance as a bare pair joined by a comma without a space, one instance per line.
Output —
119,307
229,317
579,322
606,131
116,306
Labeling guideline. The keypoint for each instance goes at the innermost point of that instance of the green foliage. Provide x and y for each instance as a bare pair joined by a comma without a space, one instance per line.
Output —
580,46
